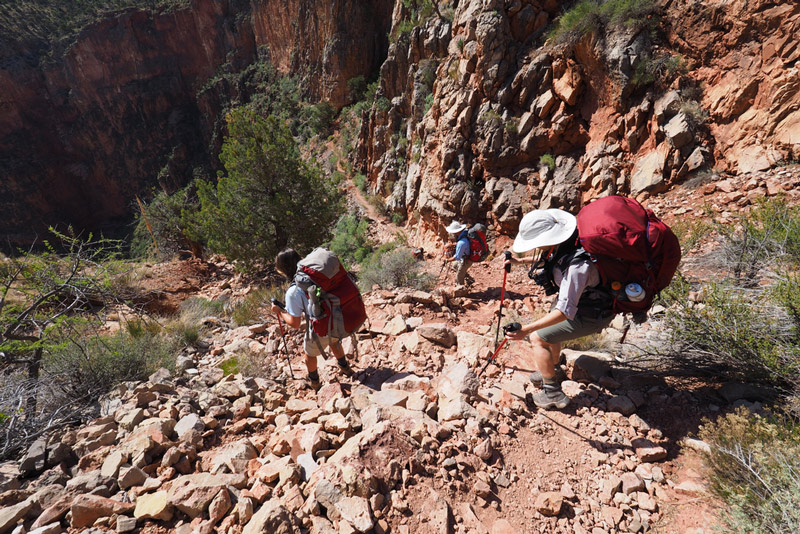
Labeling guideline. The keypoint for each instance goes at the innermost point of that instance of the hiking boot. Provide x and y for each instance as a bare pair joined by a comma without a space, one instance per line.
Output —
536,377
551,397
344,367
314,384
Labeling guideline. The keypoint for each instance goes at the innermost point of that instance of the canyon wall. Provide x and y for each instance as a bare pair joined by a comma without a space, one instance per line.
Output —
81,135
508,122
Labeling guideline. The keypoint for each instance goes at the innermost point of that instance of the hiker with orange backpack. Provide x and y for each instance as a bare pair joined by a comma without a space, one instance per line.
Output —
613,258
323,292
470,248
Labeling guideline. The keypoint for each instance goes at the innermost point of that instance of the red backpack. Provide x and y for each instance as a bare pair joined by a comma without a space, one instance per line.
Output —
478,249
628,244
337,309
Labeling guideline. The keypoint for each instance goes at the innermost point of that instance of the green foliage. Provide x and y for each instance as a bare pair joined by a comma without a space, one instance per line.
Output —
161,225
769,235
754,467
548,161
383,104
251,308
350,239
267,199
696,115
689,233
590,16
89,366
428,103
491,118
739,334
357,88
230,366
361,182
662,69
320,118
394,268
460,43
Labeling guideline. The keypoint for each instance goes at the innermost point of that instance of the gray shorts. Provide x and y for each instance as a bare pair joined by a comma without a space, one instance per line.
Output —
581,325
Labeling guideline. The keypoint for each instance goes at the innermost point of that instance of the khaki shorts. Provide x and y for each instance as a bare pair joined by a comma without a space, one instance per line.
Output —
581,325
312,347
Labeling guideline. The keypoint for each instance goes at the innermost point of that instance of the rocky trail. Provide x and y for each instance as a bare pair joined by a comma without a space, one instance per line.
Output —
415,442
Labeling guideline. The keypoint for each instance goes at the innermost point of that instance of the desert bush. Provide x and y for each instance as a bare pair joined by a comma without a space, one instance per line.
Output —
689,233
695,114
161,225
394,268
87,364
754,467
251,309
548,161
320,118
350,240
267,198
588,16
737,333
661,69
763,240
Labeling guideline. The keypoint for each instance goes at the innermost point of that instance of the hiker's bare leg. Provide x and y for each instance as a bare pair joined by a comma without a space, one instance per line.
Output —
337,349
311,363
545,355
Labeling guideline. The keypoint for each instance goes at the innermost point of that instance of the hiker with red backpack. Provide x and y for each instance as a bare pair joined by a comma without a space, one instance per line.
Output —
322,291
470,247
614,257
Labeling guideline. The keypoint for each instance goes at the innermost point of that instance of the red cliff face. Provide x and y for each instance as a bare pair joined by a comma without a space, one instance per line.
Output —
81,136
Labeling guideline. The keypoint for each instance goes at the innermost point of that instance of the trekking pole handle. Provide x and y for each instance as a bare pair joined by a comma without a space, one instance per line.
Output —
278,303
512,327
508,258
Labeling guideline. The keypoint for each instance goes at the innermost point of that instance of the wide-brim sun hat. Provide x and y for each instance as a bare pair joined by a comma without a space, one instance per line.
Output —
455,227
544,228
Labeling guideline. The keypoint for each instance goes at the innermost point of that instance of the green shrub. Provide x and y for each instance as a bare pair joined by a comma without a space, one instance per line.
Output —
737,334
357,88
250,309
591,16
689,233
268,197
350,240
754,467
320,118
762,240
87,367
394,268
361,182
548,161
161,226
662,69
696,115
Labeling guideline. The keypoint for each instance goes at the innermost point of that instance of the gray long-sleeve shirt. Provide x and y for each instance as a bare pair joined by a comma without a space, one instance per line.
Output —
572,281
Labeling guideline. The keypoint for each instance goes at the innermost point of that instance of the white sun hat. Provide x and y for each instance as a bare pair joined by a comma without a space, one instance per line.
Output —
544,228
455,227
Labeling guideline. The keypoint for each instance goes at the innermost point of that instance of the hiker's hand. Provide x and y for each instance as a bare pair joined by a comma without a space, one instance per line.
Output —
517,335
275,309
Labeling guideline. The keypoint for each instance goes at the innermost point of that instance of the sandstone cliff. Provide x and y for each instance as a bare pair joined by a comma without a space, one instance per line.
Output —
722,93
82,134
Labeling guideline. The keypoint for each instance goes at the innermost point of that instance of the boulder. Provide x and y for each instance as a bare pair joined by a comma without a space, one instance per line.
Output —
457,380
648,173
272,518
153,506
438,333
86,509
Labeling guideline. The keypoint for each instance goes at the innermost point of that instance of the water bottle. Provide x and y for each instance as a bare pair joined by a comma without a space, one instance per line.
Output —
634,292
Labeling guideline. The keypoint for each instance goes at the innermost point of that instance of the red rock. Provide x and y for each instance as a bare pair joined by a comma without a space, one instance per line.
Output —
86,509
549,503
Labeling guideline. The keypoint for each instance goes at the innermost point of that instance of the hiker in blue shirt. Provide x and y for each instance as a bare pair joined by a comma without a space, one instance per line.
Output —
458,232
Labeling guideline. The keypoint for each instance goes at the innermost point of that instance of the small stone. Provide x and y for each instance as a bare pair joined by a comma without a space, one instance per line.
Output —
549,503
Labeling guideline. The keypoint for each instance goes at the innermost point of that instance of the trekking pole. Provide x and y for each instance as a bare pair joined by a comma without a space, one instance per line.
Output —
283,334
502,297
513,327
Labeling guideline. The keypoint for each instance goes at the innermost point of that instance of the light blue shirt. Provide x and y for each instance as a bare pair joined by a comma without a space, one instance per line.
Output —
462,247
296,301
